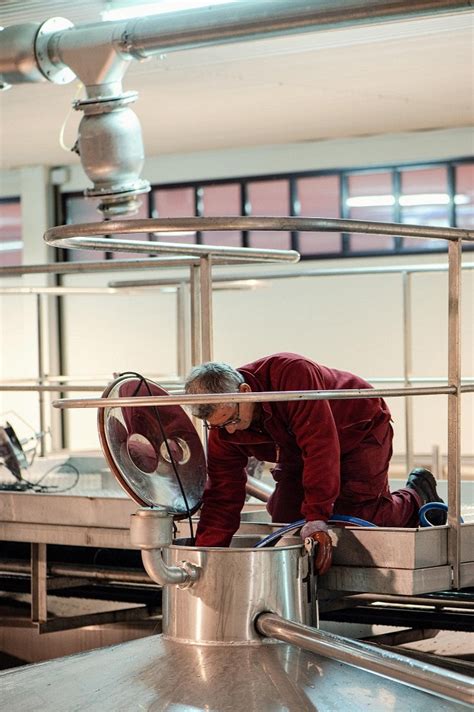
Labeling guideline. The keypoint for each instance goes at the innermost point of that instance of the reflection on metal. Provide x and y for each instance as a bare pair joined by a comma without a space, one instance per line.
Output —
234,586
261,397
258,489
84,235
446,684
157,457
154,673
151,530
454,410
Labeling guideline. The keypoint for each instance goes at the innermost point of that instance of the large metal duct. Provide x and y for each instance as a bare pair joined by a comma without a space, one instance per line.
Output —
110,143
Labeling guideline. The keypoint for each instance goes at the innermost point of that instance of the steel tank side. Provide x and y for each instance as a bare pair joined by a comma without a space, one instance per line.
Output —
235,585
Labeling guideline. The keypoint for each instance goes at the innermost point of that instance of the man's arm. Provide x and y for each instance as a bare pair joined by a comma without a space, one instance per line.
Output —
224,495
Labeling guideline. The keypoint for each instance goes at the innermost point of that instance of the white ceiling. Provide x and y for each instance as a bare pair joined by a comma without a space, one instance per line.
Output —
400,76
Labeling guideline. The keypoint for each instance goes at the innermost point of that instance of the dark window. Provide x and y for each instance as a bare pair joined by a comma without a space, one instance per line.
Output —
11,242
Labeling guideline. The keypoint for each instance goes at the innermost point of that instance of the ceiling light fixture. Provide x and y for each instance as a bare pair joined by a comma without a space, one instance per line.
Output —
375,201
126,10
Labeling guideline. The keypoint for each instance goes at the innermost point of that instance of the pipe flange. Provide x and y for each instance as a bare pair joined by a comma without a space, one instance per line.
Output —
102,105
58,73
192,572
119,192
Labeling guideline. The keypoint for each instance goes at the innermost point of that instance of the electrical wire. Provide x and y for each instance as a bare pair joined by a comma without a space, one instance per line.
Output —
155,410
38,487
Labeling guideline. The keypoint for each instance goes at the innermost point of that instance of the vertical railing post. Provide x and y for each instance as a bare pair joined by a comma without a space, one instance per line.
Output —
39,610
195,295
454,410
206,307
182,330
41,374
407,368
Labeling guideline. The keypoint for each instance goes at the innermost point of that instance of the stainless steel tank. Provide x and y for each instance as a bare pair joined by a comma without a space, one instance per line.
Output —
234,587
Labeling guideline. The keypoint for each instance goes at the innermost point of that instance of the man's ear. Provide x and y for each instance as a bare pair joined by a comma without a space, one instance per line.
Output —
244,388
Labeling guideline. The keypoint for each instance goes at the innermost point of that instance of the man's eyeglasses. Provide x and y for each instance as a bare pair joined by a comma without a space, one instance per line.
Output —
231,421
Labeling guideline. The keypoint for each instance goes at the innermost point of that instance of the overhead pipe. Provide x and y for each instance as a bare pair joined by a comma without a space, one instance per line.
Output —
110,143
422,676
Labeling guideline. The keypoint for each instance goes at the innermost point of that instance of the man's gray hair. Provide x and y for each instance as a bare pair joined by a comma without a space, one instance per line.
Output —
212,377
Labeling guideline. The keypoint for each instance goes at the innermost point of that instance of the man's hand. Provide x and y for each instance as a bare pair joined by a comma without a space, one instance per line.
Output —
318,531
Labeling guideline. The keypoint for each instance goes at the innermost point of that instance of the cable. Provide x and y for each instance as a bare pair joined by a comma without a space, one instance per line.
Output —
143,380
335,519
38,487
430,506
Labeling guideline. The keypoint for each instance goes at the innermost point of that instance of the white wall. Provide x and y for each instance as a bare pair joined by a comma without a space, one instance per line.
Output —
354,323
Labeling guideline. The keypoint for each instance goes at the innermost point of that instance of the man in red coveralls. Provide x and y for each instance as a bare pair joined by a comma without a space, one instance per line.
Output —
330,455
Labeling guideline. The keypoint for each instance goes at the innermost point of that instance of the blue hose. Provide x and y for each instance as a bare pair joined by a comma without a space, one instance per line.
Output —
429,506
336,519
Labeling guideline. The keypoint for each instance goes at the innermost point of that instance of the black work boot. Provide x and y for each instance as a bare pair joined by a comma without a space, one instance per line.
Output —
424,484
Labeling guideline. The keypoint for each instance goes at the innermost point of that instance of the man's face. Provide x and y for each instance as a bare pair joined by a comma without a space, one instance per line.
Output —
232,417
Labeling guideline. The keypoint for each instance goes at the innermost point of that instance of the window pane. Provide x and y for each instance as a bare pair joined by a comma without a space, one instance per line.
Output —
79,209
175,203
370,197
269,198
424,200
11,243
464,200
221,201
319,197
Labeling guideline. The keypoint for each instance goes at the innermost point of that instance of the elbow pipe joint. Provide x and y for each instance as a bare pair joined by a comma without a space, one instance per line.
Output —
151,530
182,576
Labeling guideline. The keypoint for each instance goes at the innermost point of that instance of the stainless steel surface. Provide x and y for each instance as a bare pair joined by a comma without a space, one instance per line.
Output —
405,582
157,457
423,676
18,63
78,571
430,601
195,291
258,489
390,548
407,368
97,266
206,308
454,410
295,272
39,346
150,531
234,586
262,397
158,674
82,235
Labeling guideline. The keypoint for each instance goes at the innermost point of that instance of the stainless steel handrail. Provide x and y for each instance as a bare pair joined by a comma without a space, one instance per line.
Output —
84,235
423,676
81,236
260,397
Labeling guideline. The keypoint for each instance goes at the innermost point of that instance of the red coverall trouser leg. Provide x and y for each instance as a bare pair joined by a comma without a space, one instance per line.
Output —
364,488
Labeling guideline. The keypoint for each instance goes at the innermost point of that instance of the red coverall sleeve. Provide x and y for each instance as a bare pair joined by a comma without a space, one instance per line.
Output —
315,431
224,495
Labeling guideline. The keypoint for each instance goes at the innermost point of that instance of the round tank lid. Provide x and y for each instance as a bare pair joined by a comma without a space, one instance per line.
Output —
154,452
